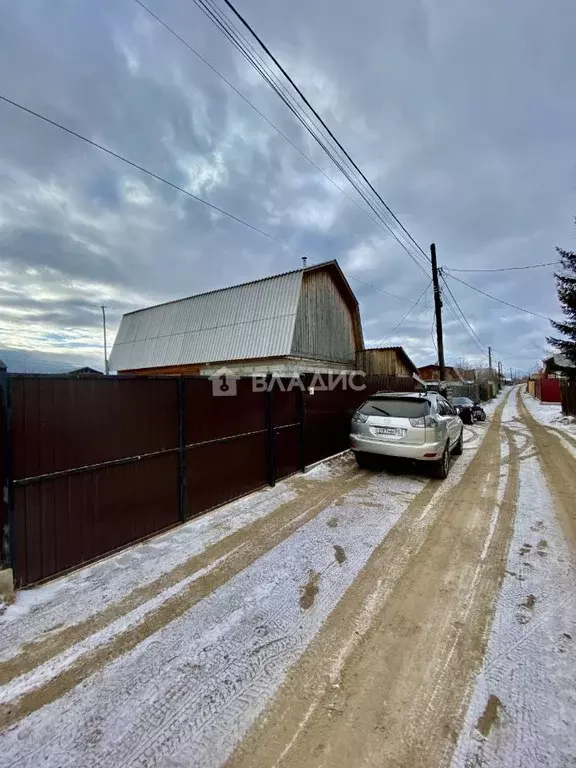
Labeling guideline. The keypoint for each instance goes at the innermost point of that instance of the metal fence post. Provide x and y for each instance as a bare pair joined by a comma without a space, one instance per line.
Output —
182,462
302,437
7,550
270,437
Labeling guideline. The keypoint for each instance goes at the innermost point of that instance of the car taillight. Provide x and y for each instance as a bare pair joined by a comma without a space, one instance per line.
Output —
359,418
424,421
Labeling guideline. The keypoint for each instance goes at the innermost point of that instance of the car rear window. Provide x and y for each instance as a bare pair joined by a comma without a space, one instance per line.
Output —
409,408
462,401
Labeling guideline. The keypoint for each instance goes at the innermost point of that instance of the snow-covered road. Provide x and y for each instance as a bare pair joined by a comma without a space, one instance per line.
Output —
523,710
344,617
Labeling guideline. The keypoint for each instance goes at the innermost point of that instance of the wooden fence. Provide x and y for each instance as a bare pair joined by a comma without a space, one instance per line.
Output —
547,390
90,465
568,392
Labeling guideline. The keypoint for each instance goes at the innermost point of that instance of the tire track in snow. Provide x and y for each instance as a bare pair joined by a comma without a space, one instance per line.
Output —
360,706
37,651
186,695
241,550
559,467
529,663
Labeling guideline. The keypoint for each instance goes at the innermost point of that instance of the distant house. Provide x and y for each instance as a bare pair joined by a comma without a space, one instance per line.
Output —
557,367
85,371
467,374
390,361
432,373
303,321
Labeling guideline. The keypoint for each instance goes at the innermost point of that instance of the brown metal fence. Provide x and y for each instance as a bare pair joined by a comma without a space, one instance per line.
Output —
568,393
90,465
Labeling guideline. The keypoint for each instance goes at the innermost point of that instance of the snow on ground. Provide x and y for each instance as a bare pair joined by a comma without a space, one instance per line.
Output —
194,688
550,414
83,593
190,689
523,708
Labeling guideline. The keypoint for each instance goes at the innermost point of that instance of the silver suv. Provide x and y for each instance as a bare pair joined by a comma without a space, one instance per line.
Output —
410,425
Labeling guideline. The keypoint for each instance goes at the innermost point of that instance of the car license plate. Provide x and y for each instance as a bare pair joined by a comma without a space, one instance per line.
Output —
388,431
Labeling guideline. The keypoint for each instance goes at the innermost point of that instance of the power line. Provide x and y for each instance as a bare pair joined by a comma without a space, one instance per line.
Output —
475,335
503,269
180,189
412,308
459,308
463,326
263,116
148,173
223,23
313,111
495,298
433,334
250,104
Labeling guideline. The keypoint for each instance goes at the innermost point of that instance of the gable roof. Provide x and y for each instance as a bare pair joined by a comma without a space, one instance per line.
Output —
450,369
561,361
401,352
242,322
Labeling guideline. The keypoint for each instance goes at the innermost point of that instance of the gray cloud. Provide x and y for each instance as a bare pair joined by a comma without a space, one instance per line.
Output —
462,114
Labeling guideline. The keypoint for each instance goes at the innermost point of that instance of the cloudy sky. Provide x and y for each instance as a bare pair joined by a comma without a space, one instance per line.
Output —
461,113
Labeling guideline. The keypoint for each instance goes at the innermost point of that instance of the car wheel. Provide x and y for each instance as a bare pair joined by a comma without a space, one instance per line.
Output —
443,466
364,460
459,447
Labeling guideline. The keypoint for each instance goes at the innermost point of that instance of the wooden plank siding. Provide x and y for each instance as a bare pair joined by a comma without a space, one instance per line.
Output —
384,362
170,370
326,327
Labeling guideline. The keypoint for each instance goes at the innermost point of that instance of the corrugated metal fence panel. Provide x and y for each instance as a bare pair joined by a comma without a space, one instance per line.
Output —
63,522
328,413
62,423
220,471
210,416
4,472
286,410
550,391
71,426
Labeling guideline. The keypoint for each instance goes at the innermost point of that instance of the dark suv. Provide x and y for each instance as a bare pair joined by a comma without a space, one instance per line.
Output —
468,410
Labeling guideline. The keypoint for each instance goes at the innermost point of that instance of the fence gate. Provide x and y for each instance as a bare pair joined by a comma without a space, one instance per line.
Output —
90,465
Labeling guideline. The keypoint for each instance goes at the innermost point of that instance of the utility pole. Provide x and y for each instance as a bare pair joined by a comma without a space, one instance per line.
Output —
438,312
106,369
511,377
490,363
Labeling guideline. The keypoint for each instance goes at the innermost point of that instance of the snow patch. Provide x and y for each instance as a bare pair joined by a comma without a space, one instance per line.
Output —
523,707
188,693
550,414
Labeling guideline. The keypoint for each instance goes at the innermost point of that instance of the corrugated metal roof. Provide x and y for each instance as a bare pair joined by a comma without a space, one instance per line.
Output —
245,321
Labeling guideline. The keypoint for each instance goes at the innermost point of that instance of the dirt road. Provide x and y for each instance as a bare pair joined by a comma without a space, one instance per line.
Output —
386,682
345,618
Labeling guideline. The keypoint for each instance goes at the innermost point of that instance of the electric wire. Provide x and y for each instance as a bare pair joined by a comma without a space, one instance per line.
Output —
173,32
252,56
459,308
504,269
501,301
155,176
412,308
319,118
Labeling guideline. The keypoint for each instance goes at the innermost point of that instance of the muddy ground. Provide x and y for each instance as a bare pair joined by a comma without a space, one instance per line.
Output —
347,623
